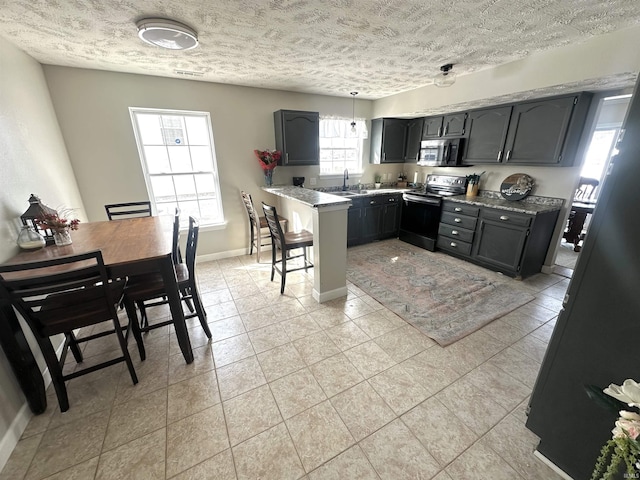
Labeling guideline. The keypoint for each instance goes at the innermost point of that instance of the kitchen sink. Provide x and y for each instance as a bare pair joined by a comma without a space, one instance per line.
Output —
343,194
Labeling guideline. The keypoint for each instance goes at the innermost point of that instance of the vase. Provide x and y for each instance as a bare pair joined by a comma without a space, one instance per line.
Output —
62,237
29,239
268,177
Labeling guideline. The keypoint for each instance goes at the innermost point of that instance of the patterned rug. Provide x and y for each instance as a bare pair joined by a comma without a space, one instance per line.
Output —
444,297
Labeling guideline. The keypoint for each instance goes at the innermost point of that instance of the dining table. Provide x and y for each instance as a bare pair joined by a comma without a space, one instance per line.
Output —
129,247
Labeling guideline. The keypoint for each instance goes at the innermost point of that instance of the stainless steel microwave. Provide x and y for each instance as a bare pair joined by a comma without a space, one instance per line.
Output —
446,152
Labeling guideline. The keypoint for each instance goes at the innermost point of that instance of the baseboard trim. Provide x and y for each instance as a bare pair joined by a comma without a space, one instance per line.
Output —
13,433
210,257
551,465
330,295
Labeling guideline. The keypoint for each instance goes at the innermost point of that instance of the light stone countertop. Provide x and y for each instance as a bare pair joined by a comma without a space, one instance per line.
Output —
315,198
531,205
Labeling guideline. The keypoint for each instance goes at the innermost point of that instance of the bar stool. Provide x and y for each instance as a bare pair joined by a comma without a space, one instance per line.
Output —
285,242
260,235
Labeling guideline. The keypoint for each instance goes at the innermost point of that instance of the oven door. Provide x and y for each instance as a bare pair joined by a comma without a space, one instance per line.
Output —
420,220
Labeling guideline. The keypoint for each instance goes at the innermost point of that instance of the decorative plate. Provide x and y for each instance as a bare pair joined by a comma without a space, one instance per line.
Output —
516,186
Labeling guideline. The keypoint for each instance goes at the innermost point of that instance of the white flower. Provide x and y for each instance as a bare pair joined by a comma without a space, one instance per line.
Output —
628,392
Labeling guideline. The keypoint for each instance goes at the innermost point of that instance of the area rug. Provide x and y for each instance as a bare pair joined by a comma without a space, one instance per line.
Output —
444,297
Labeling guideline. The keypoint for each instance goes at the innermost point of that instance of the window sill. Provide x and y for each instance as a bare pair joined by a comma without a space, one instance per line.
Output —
340,176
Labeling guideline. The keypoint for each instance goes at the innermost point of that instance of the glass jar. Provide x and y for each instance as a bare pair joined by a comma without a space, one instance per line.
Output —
29,239
62,237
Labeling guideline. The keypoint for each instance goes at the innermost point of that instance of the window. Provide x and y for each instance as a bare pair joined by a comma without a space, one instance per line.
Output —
179,163
340,147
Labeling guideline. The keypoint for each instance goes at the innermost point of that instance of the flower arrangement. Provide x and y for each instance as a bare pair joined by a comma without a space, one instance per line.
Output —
58,222
624,447
268,158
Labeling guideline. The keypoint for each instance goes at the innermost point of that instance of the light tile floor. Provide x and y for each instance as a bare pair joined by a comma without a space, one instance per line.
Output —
292,389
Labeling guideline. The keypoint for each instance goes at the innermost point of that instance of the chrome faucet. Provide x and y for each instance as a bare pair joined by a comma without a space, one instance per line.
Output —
345,177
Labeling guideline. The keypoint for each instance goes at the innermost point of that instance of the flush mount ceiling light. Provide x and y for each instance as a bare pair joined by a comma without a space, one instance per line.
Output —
446,77
353,122
166,33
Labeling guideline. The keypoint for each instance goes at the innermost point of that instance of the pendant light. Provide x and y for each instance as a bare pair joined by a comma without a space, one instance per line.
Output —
446,77
167,33
353,122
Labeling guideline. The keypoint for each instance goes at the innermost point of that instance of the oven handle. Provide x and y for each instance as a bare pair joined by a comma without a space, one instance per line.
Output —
407,197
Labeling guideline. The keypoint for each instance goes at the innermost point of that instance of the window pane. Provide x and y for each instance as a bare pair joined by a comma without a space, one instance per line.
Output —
209,210
197,130
166,208
163,190
180,159
172,130
201,158
339,148
205,185
149,129
157,159
191,209
185,187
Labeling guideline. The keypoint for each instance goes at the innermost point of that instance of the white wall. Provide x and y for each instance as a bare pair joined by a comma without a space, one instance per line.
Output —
92,108
33,159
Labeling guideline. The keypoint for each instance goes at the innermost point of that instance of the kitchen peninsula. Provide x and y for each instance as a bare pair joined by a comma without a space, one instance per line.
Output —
324,215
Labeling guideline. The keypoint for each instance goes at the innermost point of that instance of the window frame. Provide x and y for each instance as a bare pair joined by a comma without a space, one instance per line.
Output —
363,135
221,222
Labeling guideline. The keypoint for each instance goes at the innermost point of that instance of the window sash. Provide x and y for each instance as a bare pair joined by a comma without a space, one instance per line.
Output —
179,172
340,148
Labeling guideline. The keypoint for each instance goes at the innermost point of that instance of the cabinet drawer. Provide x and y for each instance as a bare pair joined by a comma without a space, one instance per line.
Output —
460,208
381,200
454,245
453,232
507,217
462,221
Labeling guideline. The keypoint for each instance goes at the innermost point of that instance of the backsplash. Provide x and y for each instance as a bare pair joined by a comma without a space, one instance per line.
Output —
533,199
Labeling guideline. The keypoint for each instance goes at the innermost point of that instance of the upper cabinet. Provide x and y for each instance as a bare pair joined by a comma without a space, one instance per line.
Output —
414,136
388,140
543,132
297,137
451,125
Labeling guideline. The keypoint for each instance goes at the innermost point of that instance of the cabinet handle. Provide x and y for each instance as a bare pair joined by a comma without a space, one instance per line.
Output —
392,200
439,131
499,156
446,129
372,202
457,209
417,156
457,220
508,155
454,232
453,244
384,156
504,218
286,156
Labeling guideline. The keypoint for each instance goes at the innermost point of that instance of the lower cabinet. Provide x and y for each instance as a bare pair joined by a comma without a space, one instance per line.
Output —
510,242
372,218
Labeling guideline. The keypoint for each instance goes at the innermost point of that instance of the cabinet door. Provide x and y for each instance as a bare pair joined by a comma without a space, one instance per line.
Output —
371,216
453,125
390,222
487,132
394,137
298,137
432,127
414,136
354,226
537,131
500,244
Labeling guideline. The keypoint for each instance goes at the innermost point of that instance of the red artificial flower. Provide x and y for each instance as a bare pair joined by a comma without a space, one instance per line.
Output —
268,158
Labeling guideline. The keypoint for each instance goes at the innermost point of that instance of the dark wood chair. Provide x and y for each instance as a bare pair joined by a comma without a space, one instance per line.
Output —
285,242
147,288
61,295
259,234
120,211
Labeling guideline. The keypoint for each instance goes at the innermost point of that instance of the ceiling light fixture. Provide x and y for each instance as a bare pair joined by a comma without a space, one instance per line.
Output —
446,77
166,33
353,111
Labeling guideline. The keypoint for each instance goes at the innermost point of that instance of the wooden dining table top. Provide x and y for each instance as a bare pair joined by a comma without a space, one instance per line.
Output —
122,242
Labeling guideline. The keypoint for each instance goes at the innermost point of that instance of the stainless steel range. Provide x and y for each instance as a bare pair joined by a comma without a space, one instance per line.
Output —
422,208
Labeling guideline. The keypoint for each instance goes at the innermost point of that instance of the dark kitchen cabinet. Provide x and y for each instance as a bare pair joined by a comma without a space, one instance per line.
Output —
390,224
371,222
450,125
373,217
595,339
414,137
297,137
354,222
487,132
513,243
388,140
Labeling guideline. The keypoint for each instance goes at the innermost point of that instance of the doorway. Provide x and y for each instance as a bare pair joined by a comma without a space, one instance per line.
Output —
602,147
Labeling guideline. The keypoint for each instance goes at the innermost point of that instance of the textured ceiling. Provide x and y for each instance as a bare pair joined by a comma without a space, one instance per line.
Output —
332,47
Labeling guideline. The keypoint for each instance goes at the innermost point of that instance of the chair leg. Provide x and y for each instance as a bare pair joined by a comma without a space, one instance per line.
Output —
251,239
284,271
74,347
186,293
273,259
125,351
202,314
51,359
258,241
304,257
135,328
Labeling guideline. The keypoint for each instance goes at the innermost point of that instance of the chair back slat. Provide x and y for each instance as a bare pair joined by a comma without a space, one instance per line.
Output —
251,211
192,246
175,249
273,222
120,211
57,290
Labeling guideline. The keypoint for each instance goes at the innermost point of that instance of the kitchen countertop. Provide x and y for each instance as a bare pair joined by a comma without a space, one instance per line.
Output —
531,205
315,198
